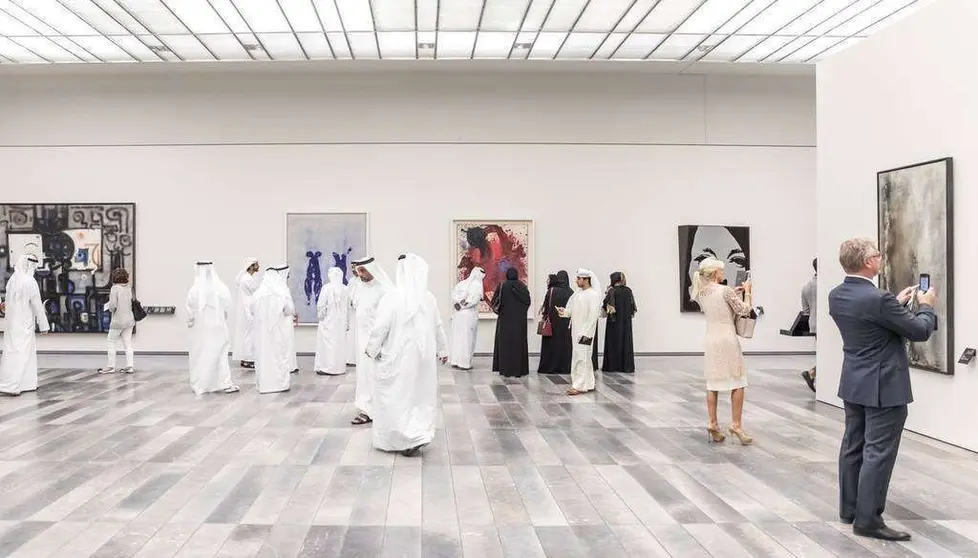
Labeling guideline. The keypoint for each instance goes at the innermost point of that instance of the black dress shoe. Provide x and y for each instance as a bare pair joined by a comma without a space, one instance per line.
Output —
807,376
847,520
411,452
882,533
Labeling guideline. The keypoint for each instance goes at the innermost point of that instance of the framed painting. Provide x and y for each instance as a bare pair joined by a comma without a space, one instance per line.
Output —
78,245
915,236
315,242
729,244
495,246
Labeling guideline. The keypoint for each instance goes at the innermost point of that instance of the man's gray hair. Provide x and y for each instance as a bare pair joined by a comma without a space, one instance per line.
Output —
854,252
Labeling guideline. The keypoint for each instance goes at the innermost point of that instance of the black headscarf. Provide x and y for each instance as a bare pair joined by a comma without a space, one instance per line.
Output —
618,283
563,280
551,280
515,286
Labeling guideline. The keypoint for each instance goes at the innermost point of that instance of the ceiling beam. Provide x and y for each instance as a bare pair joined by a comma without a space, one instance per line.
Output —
61,33
97,30
194,35
634,29
251,30
148,29
573,27
607,35
812,40
295,35
674,29
231,31
519,29
858,33
478,28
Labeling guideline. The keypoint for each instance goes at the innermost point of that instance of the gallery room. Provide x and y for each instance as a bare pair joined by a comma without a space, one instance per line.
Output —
487,278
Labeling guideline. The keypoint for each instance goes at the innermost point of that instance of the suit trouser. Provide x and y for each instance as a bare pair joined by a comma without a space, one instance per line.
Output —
869,451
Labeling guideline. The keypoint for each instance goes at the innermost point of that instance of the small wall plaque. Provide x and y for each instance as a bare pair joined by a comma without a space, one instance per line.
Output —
160,310
967,356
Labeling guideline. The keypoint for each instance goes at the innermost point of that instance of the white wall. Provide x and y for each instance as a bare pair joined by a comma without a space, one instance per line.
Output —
606,164
906,95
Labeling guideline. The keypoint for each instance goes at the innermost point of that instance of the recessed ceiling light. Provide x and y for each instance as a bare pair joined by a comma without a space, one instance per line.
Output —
522,46
426,46
159,48
252,48
705,48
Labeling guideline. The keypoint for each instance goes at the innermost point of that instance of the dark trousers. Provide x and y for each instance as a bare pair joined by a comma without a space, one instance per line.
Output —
869,450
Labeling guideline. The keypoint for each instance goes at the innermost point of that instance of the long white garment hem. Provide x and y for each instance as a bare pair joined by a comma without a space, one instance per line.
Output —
465,327
582,368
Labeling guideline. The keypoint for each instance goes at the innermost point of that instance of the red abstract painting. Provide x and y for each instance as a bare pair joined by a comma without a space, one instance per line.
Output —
495,246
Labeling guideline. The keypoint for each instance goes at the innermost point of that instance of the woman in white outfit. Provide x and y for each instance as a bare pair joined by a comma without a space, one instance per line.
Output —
208,303
332,310
18,364
123,322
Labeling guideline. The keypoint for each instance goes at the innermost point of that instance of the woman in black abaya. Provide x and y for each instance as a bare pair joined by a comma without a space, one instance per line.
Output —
511,353
619,305
555,351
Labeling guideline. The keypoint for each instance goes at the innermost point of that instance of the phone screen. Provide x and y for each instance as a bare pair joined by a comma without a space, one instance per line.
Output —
924,282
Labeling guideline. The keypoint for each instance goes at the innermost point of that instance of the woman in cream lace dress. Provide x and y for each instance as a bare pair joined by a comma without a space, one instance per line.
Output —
724,360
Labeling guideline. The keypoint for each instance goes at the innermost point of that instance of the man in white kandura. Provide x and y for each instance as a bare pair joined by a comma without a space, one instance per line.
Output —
247,282
351,320
332,310
583,309
408,341
273,311
466,297
18,364
373,284
208,303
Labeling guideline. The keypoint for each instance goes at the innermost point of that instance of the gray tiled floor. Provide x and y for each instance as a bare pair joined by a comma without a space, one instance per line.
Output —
123,466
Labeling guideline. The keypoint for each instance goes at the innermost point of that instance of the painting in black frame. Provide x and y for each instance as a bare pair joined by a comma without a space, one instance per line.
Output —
80,244
914,210
730,245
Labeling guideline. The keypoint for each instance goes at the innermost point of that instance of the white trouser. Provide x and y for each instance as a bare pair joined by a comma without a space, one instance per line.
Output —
126,336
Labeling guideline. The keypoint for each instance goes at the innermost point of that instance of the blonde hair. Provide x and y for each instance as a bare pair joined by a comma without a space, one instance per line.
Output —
707,268
854,253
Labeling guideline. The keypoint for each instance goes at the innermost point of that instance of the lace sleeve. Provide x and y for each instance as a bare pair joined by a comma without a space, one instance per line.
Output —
738,306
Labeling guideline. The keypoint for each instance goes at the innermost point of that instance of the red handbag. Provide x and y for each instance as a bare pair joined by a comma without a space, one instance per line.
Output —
544,327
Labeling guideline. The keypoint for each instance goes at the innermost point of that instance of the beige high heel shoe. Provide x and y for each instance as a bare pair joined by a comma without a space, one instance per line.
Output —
716,437
745,440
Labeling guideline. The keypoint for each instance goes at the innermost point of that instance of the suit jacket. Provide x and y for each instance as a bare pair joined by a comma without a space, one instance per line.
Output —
874,326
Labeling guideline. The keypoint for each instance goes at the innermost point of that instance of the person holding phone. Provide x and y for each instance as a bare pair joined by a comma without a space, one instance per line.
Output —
875,382
583,309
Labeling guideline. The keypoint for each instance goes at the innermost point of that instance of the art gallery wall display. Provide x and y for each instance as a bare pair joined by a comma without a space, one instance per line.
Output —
730,245
316,242
915,226
78,245
495,246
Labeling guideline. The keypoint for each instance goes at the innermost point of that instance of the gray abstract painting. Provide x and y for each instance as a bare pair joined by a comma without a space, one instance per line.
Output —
915,224
316,242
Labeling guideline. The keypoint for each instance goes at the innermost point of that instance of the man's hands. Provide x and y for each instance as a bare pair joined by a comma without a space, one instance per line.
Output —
905,294
928,298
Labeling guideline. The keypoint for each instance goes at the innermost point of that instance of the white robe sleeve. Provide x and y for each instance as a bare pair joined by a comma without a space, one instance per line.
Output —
289,309
441,341
191,308
589,320
472,299
38,308
383,320
568,308
321,306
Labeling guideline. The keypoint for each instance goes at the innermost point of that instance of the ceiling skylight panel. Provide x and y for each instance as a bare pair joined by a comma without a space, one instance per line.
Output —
198,16
456,44
316,46
546,45
870,17
712,15
47,49
725,49
639,12
356,15
637,45
120,15
225,46
54,16
611,43
823,11
777,16
102,47
397,44
394,15
765,48
675,47
187,46
459,15
74,48
564,14
669,14
853,11
301,14
364,45
535,18
504,15
752,11
11,27
427,14
844,44
95,17
282,46
330,18
263,16
229,14
14,51
341,46
153,15
495,44
579,46
602,15
811,49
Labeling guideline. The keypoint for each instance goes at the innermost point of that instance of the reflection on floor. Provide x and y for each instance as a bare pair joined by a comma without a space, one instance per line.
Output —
137,466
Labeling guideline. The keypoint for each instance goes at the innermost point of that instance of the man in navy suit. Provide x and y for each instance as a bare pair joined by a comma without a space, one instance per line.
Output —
875,384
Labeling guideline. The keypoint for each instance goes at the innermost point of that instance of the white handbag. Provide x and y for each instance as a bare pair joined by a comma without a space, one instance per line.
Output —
745,325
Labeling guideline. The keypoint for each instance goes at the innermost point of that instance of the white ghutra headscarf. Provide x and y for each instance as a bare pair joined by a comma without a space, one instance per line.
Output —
209,287
595,284
470,286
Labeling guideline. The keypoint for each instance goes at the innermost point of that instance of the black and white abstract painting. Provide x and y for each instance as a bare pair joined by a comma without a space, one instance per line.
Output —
915,224
78,244
730,245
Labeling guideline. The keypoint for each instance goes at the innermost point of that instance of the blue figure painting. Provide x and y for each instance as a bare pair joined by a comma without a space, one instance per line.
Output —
314,243
314,277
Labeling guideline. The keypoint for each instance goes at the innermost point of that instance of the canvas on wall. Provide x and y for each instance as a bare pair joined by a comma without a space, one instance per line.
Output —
78,245
915,224
730,245
316,242
495,246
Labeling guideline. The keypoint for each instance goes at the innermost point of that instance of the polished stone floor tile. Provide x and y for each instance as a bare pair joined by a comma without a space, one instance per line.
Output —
138,466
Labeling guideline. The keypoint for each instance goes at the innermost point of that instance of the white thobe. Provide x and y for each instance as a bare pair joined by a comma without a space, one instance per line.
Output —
583,309
18,364
368,298
244,350
352,351
405,403
274,338
331,333
465,327
210,370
